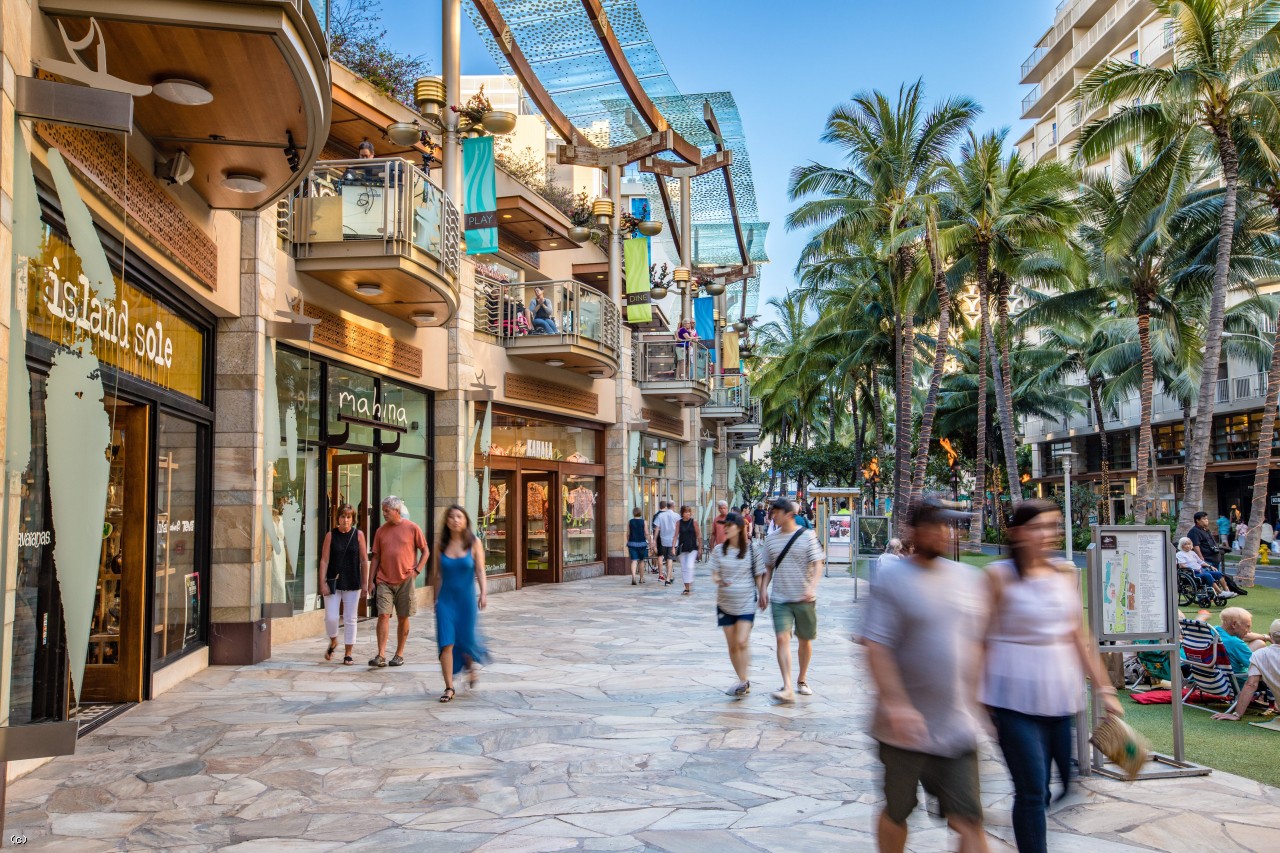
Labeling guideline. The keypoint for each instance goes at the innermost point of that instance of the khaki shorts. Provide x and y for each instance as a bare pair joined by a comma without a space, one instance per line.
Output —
798,617
954,781
398,597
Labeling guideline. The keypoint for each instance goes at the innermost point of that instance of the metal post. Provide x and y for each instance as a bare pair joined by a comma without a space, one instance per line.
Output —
1066,470
686,243
615,235
451,62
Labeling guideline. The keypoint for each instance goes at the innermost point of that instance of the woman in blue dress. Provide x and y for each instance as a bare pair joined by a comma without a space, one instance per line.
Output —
460,571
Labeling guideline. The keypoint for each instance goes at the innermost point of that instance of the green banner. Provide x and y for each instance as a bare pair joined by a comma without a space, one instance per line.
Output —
480,191
636,255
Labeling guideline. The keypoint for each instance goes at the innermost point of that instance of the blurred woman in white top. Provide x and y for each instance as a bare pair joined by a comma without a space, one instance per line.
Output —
738,572
1037,653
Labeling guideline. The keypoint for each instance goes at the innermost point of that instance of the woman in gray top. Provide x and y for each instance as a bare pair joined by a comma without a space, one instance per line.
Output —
739,576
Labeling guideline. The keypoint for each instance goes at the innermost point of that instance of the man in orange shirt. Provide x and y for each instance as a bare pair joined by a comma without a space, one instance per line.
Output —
717,524
396,562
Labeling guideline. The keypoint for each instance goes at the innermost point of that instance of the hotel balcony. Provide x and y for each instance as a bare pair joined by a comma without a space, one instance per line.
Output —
249,143
730,400
677,372
381,232
741,436
581,334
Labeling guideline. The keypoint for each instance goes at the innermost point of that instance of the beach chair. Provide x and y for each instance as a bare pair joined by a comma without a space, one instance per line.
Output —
1205,664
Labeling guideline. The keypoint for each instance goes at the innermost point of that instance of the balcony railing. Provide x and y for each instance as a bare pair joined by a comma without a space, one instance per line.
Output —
1101,28
1033,59
730,400
1030,100
386,203
668,360
549,317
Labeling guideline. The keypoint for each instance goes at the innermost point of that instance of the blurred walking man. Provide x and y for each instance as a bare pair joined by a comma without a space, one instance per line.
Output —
920,637
396,562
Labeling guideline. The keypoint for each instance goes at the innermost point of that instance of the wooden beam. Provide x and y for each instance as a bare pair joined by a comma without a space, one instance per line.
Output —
601,158
713,125
657,166
515,57
681,147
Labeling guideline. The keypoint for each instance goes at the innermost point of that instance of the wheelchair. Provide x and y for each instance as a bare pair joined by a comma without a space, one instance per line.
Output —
1193,591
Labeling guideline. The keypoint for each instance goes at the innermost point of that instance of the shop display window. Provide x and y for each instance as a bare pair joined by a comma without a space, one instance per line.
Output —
530,438
406,478
298,385
353,394
407,408
492,527
179,586
579,510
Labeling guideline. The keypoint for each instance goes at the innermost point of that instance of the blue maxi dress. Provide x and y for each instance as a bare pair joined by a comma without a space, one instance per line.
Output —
457,612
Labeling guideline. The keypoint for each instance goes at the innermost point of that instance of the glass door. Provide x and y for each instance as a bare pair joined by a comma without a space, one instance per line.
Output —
540,528
113,667
349,484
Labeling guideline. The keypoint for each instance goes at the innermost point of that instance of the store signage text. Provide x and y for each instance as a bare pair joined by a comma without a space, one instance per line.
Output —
175,526
34,538
387,413
107,322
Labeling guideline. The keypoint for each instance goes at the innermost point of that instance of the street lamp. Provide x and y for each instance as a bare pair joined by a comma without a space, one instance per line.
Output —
1066,456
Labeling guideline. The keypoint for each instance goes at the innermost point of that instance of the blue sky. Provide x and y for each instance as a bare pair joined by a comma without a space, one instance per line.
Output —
788,64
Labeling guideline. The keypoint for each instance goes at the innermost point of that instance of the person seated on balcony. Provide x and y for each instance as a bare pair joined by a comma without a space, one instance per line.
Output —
1191,560
543,313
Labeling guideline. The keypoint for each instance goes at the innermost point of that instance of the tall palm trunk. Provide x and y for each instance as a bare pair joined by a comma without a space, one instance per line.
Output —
979,493
1193,494
1095,393
902,422
1003,412
1004,391
1262,471
939,365
1141,500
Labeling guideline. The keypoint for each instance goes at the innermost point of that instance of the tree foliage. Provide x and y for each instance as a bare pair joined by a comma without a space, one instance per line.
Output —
357,40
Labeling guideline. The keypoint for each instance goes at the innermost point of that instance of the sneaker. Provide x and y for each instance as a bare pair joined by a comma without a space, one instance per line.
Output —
733,691
396,661
784,696
378,661
804,689
743,689
1226,595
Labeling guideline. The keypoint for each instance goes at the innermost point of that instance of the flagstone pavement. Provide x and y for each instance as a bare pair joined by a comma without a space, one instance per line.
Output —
600,725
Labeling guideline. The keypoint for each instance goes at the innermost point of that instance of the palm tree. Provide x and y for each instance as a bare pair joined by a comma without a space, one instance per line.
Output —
890,149
1222,80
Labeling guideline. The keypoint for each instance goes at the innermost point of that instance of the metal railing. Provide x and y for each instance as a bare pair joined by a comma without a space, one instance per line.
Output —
386,200
1033,59
571,312
1031,97
669,360
728,394
1101,28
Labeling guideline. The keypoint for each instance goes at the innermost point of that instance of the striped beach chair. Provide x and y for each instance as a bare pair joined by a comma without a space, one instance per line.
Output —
1205,664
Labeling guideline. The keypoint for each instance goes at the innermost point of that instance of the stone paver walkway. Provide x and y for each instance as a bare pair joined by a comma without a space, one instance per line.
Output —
601,725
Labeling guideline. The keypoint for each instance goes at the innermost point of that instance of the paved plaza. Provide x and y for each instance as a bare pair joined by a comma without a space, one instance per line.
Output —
600,725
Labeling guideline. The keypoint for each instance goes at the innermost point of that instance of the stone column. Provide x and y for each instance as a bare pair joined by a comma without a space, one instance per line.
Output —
617,461
454,413
239,632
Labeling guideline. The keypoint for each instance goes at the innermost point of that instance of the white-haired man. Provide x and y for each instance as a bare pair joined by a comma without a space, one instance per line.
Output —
1264,668
399,554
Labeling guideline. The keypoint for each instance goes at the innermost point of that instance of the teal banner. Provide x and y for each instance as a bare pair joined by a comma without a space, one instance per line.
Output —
480,189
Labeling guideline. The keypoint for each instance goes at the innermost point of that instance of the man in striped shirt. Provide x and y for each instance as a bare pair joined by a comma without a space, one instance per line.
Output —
794,558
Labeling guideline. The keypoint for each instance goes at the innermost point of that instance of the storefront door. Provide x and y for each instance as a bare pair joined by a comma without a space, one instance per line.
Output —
540,528
350,483
114,665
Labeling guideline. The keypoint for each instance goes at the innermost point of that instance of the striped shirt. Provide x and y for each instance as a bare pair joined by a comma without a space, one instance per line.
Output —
739,597
791,579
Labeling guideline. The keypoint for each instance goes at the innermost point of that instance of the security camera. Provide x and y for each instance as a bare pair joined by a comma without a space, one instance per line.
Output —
178,171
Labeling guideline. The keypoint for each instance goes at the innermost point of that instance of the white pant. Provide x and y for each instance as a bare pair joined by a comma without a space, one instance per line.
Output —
688,560
350,601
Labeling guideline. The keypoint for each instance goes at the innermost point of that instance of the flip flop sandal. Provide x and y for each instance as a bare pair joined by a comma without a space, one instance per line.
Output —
348,660
328,655
447,696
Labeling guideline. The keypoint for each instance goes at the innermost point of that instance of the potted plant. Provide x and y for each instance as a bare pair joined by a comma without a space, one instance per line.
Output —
477,109
708,282
659,281
580,218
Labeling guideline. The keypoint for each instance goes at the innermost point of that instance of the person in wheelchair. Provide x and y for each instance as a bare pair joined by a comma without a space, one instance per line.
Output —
1203,573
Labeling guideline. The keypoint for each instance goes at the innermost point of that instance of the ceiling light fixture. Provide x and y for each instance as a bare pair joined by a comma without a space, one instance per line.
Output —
555,362
553,244
240,183
506,216
422,318
671,399
596,374
188,93
369,289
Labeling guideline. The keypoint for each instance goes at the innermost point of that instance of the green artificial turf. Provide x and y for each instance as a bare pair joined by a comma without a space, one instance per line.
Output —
1235,747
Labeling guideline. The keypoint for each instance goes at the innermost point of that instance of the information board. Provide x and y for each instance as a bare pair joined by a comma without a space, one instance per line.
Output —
1131,585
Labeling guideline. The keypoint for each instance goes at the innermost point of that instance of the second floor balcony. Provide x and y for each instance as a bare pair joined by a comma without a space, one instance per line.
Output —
730,400
746,433
676,371
562,324
381,232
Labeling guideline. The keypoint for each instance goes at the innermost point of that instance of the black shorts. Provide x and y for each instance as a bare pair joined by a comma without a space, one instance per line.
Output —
724,620
954,781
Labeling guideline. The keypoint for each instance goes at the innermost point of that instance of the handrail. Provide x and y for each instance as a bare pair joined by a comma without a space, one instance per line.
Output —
387,200
729,395
575,314
667,360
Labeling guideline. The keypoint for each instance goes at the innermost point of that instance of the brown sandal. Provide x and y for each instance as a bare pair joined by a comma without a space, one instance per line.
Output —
333,647
448,695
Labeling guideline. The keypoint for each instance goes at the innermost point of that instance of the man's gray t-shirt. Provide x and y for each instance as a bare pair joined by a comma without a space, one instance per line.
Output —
929,620
666,522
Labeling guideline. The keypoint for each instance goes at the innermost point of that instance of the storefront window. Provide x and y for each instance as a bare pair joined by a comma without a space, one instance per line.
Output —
406,408
578,496
492,527
658,472
406,478
298,385
179,586
516,435
351,394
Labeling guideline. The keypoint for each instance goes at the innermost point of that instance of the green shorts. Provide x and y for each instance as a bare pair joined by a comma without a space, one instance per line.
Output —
954,781
798,617
398,597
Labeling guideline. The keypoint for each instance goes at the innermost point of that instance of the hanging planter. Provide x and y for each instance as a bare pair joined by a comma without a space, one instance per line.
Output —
715,288
649,228
658,293
579,234
498,122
